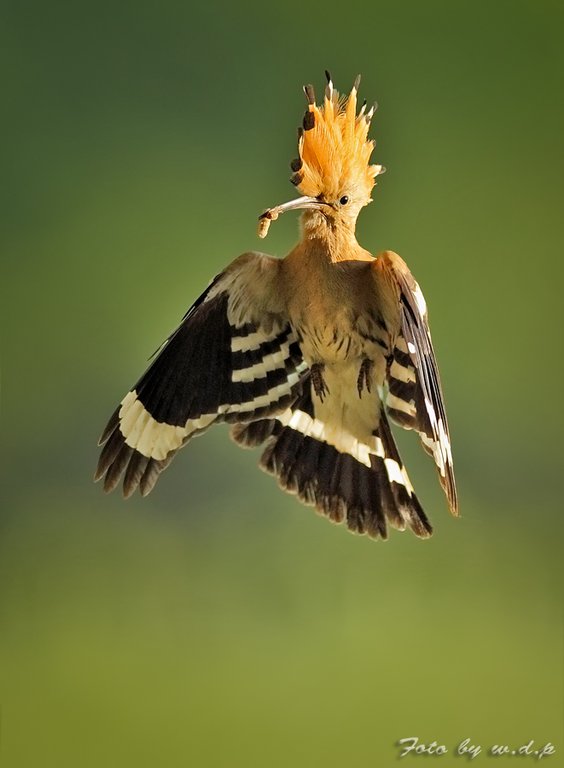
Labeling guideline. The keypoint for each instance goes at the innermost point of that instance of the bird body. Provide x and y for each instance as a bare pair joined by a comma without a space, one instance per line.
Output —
305,354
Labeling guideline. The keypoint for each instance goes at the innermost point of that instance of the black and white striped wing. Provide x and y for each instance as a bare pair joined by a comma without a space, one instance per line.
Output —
233,358
414,397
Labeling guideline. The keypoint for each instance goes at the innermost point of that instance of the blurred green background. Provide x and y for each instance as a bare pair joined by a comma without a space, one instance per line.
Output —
218,622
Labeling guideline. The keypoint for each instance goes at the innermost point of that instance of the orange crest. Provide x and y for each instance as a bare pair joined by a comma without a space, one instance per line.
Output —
334,147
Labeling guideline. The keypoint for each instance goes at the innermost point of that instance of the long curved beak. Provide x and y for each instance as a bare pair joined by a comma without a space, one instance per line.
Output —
271,214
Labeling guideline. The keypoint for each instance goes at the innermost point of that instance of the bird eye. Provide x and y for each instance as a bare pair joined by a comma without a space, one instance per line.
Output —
344,200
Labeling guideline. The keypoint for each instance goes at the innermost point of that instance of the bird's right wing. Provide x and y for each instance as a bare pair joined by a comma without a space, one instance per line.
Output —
234,357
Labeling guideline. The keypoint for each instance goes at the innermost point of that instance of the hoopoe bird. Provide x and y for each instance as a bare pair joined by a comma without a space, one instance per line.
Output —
308,355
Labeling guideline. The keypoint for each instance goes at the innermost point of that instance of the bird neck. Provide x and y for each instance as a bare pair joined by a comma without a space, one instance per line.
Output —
334,238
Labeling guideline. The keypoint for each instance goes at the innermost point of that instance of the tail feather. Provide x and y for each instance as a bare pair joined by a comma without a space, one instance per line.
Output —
308,456
152,471
348,487
134,473
113,475
332,503
253,433
365,486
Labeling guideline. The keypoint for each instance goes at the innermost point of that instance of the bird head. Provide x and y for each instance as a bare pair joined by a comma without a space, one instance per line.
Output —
332,170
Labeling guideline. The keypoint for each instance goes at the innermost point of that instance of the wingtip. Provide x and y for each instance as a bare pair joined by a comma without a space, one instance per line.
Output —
110,427
98,474
127,492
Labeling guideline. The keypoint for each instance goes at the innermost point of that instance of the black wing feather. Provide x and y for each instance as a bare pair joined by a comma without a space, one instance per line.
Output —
416,400
218,365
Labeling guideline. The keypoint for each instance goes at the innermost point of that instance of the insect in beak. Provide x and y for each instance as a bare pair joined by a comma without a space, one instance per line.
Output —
271,214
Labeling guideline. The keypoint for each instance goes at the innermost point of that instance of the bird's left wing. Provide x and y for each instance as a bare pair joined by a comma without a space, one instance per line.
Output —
234,357
414,397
